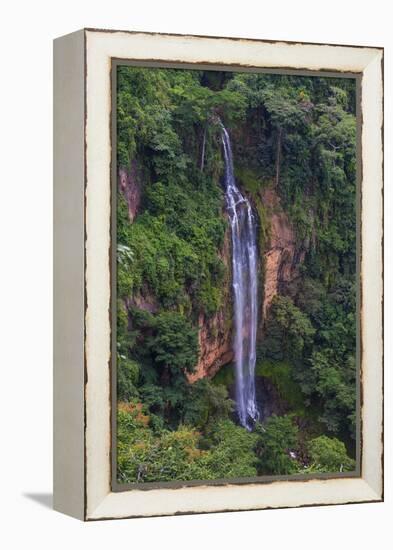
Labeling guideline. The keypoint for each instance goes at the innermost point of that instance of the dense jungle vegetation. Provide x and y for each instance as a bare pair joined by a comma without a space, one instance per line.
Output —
298,135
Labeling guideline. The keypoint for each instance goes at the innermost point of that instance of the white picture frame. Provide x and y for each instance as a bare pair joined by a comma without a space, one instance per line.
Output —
82,257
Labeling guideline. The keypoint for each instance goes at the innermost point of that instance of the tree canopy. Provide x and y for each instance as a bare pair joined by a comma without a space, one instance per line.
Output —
297,136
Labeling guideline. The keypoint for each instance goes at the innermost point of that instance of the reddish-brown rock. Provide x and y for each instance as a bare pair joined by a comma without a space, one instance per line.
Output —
145,303
215,333
215,344
130,187
281,257
281,260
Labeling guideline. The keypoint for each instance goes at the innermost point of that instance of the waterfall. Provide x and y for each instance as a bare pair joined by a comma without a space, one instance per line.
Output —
245,290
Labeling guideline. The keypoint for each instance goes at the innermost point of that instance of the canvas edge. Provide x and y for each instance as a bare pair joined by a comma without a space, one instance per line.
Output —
68,274
372,275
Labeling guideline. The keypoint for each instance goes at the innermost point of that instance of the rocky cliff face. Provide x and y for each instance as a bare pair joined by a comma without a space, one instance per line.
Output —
215,334
215,345
282,256
281,260
130,187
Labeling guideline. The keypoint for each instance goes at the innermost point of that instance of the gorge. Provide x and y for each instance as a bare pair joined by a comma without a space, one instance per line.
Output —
236,328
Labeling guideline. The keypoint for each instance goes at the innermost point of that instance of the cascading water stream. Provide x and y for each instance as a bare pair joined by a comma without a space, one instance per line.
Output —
245,290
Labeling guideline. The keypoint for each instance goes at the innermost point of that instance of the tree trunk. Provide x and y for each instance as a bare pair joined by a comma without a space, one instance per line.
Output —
278,155
203,150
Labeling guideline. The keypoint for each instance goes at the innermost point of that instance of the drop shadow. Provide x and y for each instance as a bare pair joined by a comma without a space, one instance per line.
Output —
45,499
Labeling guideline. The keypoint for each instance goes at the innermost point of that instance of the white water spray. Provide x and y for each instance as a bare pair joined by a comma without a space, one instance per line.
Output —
245,290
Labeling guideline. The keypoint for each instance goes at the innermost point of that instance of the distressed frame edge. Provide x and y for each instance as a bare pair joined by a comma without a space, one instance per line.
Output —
104,510
69,489
372,301
375,494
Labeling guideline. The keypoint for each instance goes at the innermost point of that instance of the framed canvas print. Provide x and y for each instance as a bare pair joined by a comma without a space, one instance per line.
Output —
218,274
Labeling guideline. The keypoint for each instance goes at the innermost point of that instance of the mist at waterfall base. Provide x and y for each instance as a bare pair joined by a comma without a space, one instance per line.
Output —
245,290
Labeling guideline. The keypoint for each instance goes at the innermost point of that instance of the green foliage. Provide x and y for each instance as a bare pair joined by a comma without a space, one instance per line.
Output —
174,243
180,271
329,455
174,344
296,135
289,330
329,370
317,346
253,183
276,439
302,133
127,378
225,376
231,451
281,374
335,383
206,404
144,456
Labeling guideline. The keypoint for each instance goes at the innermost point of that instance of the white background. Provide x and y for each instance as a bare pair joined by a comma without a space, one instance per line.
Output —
28,28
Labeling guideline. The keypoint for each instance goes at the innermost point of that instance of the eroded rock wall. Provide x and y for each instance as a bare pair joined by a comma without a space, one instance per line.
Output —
282,255
215,333
280,263
281,259
130,187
